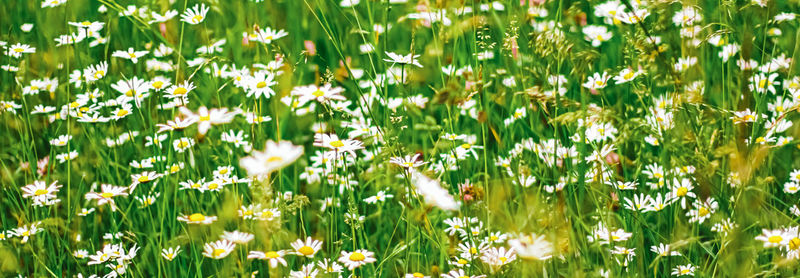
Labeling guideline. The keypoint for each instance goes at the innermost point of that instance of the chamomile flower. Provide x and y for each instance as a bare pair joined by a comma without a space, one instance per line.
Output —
129,54
273,257
171,253
218,249
409,59
195,15
306,248
275,156
357,258
379,197
197,218
182,144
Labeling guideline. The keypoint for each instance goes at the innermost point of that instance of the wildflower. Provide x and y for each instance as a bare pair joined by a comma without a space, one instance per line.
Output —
273,257
267,35
107,194
683,270
195,15
306,248
403,59
432,192
409,161
205,118
130,54
16,50
237,237
25,232
357,258
596,34
170,253
180,90
321,94
260,84
772,238
182,144
197,218
274,157
41,193
332,141
597,81
218,249
379,197
532,247
627,75
498,257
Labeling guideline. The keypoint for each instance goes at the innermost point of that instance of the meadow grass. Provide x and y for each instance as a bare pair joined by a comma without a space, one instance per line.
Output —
398,138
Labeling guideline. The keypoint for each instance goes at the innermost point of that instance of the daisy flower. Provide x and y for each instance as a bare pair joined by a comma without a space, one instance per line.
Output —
197,218
170,253
409,59
321,94
274,257
182,144
107,194
195,15
532,247
275,156
16,50
237,237
597,81
130,54
306,248
41,193
218,249
379,197
180,90
260,84
332,142
409,161
357,258
205,118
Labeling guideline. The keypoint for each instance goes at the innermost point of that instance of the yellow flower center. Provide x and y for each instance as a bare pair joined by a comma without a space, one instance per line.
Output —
466,146
357,257
197,18
197,217
144,178
180,91
794,243
418,275
217,252
205,118
318,93
40,192
337,144
107,195
703,211
274,159
306,250
775,239
682,191
271,255
763,83
99,74
628,76
261,84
